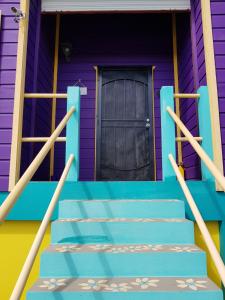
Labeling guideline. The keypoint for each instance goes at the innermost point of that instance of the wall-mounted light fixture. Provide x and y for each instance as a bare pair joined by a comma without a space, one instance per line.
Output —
18,14
67,51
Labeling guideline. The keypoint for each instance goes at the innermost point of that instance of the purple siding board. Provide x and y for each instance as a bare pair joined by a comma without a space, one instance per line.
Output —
218,24
8,52
37,113
188,81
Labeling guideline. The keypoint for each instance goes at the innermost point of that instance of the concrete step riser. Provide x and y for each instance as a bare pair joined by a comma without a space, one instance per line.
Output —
102,264
121,208
123,232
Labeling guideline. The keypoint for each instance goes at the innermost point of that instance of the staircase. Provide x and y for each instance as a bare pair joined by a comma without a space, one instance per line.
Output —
123,250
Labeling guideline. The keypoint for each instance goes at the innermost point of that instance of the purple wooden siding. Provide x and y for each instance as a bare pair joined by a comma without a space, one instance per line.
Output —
8,52
218,24
188,108
111,40
37,113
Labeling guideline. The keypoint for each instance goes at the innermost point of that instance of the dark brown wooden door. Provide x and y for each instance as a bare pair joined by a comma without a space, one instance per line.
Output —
124,125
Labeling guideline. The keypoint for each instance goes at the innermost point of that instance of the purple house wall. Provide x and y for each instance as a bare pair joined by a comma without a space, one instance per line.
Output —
8,53
218,24
100,46
197,61
39,79
187,84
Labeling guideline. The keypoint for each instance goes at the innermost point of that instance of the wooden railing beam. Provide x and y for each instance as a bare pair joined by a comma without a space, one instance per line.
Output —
186,96
184,139
210,67
45,96
28,174
202,154
41,139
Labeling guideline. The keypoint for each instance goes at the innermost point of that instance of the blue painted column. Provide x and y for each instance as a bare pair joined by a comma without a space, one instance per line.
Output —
167,131
73,133
205,129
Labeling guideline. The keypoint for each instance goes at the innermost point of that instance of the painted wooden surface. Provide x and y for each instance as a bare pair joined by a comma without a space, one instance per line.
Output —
218,25
167,131
37,112
8,52
73,133
187,85
205,130
109,47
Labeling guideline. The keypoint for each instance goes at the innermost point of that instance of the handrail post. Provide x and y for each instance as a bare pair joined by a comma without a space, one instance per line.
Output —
73,132
205,129
167,131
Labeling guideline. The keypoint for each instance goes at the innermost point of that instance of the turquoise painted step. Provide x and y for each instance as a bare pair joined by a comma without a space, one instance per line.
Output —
122,260
121,208
122,230
154,288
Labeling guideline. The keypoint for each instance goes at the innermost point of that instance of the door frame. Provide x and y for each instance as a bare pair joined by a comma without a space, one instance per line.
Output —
99,70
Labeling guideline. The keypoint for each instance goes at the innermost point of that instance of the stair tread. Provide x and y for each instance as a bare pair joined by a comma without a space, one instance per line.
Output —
125,284
123,248
111,220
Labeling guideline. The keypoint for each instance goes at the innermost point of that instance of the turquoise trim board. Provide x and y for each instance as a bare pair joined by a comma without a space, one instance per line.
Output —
73,132
33,202
167,131
205,129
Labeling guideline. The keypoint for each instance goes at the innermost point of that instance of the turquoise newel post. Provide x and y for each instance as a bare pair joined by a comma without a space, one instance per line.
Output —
167,131
205,129
73,132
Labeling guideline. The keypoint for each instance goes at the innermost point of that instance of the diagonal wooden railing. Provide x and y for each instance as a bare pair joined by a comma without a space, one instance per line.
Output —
209,170
199,150
72,122
21,282
71,173
28,174
200,222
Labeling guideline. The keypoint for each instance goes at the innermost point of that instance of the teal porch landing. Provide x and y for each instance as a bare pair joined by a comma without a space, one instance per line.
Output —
34,200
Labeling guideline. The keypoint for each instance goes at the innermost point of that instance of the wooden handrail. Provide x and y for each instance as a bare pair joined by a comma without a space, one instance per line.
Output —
41,139
202,154
184,139
44,95
186,96
28,174
199,220
20,284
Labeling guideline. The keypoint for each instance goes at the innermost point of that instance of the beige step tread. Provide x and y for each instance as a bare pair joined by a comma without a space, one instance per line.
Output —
124,284
125,248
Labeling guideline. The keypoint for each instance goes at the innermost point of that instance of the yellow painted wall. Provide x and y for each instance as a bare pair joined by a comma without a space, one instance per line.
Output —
213,228
15,240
